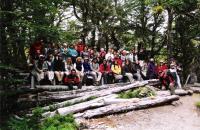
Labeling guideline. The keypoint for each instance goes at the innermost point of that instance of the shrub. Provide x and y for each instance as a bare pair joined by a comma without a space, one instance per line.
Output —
59,122
34,122
198,104
137,93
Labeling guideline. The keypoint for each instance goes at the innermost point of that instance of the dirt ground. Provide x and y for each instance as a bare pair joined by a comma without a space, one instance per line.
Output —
180,115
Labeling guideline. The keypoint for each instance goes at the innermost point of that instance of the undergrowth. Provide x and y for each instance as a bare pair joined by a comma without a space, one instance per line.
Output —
137,93
34,122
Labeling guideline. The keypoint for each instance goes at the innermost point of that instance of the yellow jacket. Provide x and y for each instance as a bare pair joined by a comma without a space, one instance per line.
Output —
116,69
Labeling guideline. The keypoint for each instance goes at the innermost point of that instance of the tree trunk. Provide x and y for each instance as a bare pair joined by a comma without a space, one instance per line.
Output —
169,31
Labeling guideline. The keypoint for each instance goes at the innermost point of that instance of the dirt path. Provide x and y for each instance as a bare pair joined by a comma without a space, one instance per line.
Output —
181,115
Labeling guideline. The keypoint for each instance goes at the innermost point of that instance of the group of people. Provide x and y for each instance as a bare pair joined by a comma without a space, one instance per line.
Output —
79,64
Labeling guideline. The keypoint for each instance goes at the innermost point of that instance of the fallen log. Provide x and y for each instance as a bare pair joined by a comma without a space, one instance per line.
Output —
195,89
179,92
97,94
124,107
98,102
52,87
85,105
196,85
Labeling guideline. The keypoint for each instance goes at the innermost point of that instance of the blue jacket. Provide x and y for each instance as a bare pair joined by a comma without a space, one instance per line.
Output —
72,52
86,67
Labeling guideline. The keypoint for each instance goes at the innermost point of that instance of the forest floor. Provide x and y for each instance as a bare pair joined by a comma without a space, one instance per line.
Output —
180,115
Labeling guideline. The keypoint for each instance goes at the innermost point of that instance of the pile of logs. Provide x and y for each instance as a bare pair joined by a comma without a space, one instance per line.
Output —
98,101
95,101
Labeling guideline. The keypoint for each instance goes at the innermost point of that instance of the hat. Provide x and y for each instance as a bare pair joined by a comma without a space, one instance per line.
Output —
152,59
65,44
78,58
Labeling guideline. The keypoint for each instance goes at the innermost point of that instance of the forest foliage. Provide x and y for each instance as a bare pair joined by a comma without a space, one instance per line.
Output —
169,28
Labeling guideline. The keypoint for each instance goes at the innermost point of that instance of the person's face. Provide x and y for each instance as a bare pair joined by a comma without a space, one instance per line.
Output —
104,62
79,60
50,57
86,60
161,63
69,60
73,72
71,46
127,62
95,61
60,57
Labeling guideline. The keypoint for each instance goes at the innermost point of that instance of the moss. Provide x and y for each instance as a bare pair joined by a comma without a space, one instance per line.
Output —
198,104
68,104
91,98
52,107
137,93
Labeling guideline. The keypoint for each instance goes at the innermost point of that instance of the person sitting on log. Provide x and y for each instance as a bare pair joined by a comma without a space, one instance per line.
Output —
95,70
38,69
117,71
118,59
78,66
107,75
48,64
128,70
72,80
169,78
160,69
68,66
151,70
137,72
88,71
59,68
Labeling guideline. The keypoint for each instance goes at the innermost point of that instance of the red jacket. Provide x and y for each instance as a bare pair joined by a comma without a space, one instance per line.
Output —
161,68
119,61
71,78
102,70
80,46
36,49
